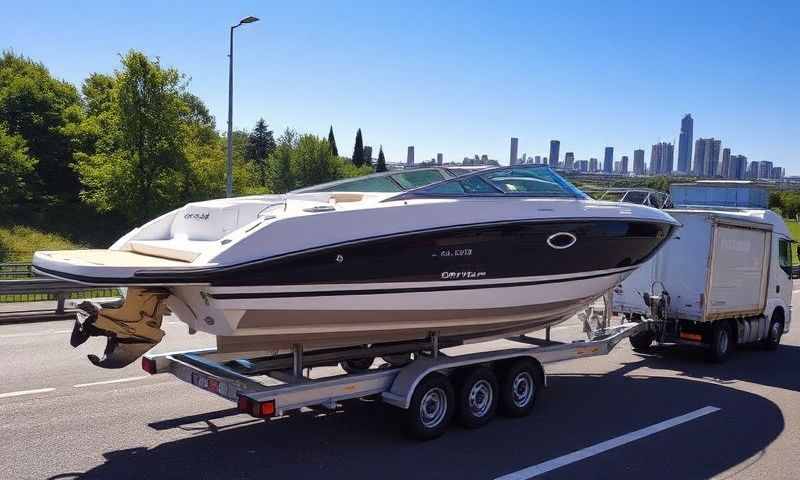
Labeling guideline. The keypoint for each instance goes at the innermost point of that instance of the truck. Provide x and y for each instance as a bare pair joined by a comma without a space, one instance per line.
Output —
723,279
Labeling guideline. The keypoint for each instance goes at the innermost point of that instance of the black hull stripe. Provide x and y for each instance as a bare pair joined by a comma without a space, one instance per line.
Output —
383,291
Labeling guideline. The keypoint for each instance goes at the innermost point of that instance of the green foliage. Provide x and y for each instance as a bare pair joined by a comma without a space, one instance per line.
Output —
346,169
313,162
15,167
17,243
787,203
381,166
332,142
280,178
358,150
34,105
260,144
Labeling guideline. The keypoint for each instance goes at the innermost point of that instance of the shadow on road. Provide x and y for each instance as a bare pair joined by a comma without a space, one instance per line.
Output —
748,363
364,439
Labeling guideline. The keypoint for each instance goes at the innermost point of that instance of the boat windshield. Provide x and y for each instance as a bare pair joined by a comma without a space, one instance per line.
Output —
521,180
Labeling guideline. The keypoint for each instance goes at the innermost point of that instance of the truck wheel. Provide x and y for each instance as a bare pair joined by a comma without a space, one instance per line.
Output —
477,397
431,408
358,365
774,335
519,386
720,343
642,341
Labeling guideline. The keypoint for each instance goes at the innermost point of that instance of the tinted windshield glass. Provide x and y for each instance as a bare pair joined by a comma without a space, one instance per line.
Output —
374,184
419,178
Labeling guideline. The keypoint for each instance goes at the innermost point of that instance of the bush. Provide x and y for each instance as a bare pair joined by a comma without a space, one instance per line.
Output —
17,243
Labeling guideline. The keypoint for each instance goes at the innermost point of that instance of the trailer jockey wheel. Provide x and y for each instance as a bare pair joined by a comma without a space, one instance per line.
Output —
720,342
357,365
520,383
477,397
432,407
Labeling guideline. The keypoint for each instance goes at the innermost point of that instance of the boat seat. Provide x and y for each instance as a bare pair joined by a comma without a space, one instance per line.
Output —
183,250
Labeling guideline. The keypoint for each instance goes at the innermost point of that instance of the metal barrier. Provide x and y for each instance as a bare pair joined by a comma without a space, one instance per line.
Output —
18,284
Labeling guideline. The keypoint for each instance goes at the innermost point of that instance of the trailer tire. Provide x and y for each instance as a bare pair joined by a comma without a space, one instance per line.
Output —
520,383
720,342
358,365
642,341
775,332
432,407
477,397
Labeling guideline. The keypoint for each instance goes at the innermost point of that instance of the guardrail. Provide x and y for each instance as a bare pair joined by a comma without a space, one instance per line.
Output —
58,289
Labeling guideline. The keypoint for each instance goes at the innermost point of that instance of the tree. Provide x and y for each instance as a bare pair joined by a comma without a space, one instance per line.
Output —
381,166
313,161
358,150
33,105
260,144
15,167
332,142
279,166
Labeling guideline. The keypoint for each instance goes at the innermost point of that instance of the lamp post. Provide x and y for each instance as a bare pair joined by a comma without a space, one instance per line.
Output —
229,166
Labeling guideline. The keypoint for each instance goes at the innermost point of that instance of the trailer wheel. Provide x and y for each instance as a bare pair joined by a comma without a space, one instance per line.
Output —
775,332
519,385
358,365
477,397
432,407
720,342
642,341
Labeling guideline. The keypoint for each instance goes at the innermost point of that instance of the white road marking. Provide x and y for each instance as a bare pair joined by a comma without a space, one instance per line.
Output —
795,291
25,392
35,334
104,382
587,452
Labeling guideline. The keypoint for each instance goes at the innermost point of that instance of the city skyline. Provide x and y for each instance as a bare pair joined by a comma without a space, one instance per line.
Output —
410,84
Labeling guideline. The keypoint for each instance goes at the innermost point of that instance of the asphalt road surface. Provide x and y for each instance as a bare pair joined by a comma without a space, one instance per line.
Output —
667,414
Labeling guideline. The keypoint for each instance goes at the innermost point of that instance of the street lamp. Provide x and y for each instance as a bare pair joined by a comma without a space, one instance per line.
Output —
229,171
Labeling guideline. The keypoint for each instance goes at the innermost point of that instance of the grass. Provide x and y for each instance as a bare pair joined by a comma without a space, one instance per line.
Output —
18,242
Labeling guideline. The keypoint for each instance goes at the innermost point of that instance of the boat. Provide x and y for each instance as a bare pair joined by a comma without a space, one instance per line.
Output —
488,254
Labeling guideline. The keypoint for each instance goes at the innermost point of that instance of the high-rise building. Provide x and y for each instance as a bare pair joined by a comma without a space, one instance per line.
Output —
439,158
544,160
410,155
685,144
512,156
582,165
765,169
617,167
592,164
661,158
752,170
537,159
638,162
623,166
738,167
569,160
706,157
524,158
608,160
778,173
555,145
725,165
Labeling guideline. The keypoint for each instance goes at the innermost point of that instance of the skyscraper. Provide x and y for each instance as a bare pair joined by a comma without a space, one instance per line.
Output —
608,160
685,144
439,158
752,170
738,167
725,166
638,162
778,173
555,145
706,157
537,159
512,157
592,164
623,168
765,169
661,158
410,155
569,160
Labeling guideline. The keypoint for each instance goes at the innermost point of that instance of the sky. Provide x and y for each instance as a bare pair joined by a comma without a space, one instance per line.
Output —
458,77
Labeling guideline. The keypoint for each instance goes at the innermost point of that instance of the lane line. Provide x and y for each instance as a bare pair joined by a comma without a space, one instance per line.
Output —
105,382
35,334
596,449
25,392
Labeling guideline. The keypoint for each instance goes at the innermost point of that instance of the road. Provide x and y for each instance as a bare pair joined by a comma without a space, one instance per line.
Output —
644,416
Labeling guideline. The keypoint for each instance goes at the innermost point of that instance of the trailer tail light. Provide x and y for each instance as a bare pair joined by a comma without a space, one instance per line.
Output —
695,337
256,408
149,365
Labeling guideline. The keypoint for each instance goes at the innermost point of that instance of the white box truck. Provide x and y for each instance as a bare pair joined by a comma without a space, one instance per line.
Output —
724,278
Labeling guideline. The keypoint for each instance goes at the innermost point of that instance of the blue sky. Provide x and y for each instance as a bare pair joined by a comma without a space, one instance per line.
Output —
459,77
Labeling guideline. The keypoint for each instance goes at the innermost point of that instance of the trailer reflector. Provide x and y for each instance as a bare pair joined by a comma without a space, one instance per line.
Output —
256,408
149,365
695,337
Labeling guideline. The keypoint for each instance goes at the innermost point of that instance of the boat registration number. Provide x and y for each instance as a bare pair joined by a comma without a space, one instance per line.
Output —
221,388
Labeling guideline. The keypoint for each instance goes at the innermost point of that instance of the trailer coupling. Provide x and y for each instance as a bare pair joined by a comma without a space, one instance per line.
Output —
132,328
